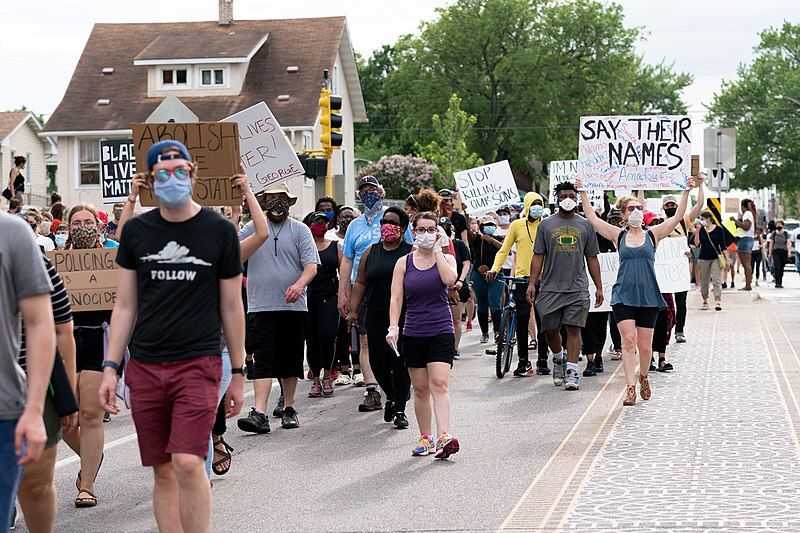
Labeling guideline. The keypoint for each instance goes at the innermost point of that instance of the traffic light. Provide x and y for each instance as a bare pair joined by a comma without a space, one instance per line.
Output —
314,165
330,119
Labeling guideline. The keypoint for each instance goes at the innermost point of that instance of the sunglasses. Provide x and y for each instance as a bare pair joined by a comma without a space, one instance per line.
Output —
163,174
390,222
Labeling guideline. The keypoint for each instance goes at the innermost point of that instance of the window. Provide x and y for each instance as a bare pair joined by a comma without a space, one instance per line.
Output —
212,77
174,78
307,140
89,164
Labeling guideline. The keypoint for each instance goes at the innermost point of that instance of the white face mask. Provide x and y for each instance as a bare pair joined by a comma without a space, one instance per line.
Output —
426,240
504,219
567,204
636,218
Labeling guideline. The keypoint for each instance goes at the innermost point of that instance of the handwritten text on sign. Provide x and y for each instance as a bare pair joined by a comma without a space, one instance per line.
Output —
214,147
609,266
672,265
266,154
487,188
90,277
117,167
563,171
638,152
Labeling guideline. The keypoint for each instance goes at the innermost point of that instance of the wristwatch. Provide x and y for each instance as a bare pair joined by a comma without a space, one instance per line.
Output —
110,364
239,370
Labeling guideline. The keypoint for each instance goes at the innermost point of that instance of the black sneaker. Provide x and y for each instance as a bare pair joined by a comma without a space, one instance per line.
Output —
598,365
388,411
106,417
542,369
372,402
652,364
278,411
255,422
524,369
457,355
289,419
663,366
400,421
590,371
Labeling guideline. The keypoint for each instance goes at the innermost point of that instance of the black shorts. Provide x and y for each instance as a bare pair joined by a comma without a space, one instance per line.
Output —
645,317
278,342
420,351
89,348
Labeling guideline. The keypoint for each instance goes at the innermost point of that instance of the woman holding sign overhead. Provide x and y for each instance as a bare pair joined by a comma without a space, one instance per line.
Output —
636,298
89,331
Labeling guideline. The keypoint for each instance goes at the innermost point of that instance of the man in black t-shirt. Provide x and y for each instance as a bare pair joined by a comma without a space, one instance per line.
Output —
446,209
179,286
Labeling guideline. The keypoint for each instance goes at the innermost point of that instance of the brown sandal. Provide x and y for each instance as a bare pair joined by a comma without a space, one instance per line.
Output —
222,449
83,502
630,395
645,391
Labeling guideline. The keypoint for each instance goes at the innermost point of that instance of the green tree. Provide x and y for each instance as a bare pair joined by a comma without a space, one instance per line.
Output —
763,104
448,150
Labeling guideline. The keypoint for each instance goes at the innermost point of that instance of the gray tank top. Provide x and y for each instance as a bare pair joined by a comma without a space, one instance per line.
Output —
636,284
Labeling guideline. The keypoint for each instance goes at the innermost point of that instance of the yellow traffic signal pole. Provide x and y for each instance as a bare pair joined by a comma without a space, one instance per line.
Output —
325,117
329,174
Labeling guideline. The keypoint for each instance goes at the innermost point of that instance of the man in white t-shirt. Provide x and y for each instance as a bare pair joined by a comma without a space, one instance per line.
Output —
746,231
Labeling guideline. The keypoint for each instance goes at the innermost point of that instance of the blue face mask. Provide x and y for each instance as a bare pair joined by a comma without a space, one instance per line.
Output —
370,199
61,240
329,215
489,230
173,192
535,212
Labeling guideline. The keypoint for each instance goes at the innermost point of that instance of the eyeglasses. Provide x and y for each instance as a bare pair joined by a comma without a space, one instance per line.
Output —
390,222
420,231
88,223
181,173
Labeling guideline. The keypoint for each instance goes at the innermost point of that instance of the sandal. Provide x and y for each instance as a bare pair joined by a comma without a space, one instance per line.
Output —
85,501
644,387
630,395
221,448
78,479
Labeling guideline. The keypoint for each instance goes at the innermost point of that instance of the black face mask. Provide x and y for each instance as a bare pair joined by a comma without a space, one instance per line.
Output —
670,211
779,228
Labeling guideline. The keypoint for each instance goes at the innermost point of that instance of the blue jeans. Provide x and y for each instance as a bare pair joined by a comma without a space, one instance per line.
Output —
223,388
10,472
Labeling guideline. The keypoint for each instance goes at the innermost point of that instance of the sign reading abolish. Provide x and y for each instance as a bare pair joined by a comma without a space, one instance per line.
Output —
90,277
569,170
609,266
214,147
640,152
266,154
117,167
487,188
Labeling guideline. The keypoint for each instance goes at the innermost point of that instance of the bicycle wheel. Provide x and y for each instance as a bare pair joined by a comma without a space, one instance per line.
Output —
500,363
511,337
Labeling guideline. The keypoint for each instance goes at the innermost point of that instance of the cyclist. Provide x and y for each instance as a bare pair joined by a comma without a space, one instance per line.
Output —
522,233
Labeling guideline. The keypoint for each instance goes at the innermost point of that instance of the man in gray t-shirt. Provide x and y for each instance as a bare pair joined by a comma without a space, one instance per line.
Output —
565,245
24,290
277,276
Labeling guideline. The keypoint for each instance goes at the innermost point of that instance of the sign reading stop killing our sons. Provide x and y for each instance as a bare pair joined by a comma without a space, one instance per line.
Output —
637,152
487,188
90,277
266,154
563,171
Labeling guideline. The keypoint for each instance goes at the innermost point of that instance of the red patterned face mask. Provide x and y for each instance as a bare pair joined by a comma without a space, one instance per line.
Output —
318,229
391,233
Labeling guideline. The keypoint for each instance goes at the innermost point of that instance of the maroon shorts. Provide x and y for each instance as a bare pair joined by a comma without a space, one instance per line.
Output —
174,406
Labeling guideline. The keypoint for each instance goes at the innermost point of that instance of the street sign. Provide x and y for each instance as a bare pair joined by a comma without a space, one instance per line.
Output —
720,179
719,147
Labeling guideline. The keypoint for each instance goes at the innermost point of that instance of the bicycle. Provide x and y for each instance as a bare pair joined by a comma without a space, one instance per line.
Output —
507,338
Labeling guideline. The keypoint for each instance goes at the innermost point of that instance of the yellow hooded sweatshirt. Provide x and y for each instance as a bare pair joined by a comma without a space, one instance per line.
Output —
522,233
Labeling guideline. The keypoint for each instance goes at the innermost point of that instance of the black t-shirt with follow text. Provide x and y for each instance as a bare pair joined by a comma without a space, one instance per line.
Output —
178,267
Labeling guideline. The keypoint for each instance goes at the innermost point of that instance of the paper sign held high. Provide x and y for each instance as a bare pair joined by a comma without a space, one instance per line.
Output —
487,188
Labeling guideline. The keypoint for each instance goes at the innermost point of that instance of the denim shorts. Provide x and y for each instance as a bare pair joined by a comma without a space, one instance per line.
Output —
10,471
745,244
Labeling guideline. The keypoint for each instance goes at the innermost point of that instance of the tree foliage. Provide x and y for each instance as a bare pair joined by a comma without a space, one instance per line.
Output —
401,175
763,104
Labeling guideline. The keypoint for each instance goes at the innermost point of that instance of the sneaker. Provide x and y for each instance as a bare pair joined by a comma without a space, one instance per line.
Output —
704,307
718,307
106,417
372,402
572,381
424,446
680,338
255,422
358,380
457,355
388,411
289,419
327,386
590,371
343,379
664,366
733,285
559,367
400,420
316,390
598,365
542,368
724,285
615,355
278,411
652,364
484,339
446,446
524,369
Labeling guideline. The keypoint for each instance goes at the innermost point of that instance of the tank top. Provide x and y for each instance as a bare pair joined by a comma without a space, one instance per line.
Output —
19,183
326,282
427,309
636,284
379,270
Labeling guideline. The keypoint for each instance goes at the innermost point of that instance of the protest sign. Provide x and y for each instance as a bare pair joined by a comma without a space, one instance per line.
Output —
672,265
117,167
562,171
90,277
266,154
637,152
214,147
487,188
609,266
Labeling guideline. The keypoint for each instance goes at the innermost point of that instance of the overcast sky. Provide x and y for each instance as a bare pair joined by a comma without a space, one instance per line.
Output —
42,39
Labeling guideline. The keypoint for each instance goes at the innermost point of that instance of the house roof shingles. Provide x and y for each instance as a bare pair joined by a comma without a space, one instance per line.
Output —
219,42
311,44
10,120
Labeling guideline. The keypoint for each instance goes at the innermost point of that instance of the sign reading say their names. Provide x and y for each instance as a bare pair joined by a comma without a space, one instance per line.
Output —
117,167
214,147
569,170
636,152
672,265
90,277
609,266
266,154
487,188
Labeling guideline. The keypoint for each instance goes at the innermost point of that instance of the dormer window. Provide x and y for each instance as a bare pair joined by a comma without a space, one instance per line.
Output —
212,77
174,78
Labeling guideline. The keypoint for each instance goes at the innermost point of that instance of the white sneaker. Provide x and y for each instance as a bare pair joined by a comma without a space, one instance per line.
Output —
342,380
358,380
572,381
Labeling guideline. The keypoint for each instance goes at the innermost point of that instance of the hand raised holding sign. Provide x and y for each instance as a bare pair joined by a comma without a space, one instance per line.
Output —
138,182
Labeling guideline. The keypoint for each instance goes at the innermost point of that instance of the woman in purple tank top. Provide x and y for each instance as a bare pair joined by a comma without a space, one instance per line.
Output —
419,285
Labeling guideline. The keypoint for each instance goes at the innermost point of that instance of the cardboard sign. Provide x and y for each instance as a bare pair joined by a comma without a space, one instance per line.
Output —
487,188
672,265
569,170
214,147
90,277
117,167
609,266
638,152
266,154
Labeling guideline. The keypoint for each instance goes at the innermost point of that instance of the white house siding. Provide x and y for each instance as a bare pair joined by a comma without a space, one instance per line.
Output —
26,143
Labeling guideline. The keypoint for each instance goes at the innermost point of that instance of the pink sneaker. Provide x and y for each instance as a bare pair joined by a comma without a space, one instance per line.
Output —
327,386
316,390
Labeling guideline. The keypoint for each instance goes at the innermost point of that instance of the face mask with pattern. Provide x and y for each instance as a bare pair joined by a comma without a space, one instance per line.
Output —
83,237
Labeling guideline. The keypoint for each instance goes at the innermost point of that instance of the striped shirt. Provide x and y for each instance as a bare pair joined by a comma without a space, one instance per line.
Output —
59,299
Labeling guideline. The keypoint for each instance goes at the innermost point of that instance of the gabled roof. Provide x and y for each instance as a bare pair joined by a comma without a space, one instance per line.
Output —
10,121
311,44
225,43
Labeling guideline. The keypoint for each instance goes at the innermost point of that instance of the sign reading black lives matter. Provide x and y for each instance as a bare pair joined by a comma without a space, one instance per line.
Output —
487,188
637,152
117,167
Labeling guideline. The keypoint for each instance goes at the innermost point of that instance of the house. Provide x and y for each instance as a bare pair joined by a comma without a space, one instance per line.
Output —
19,135
215,69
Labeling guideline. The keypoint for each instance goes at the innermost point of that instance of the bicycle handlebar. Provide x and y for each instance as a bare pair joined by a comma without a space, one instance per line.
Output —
513,280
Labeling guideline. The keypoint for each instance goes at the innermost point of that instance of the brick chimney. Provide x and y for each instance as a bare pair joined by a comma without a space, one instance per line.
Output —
225,12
